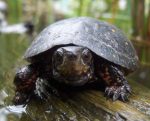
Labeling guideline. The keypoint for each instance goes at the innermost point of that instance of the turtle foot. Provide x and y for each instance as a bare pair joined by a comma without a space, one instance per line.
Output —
21,98
118,92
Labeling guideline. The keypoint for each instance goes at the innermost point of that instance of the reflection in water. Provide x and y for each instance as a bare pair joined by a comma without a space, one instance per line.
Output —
15,110
9,110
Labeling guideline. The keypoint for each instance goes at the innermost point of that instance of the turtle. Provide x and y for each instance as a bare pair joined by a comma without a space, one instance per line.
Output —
77,51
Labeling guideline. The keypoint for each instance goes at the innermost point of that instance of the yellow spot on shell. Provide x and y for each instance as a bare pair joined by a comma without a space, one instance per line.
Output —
126,43
114,56
113,30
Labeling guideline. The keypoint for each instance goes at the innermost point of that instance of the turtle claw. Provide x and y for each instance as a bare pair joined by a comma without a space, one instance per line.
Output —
21,98
115,96
118,92
128,89
108,92
124,97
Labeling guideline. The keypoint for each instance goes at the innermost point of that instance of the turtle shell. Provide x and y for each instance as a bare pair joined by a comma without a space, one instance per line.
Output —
102,38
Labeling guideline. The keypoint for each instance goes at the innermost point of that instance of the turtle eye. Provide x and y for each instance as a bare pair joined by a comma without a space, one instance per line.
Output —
86,56
58,57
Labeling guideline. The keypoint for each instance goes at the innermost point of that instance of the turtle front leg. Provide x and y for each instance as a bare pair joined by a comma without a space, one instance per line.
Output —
24,81
117,85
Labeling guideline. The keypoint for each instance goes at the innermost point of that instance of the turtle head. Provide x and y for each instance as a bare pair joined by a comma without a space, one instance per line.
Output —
73,65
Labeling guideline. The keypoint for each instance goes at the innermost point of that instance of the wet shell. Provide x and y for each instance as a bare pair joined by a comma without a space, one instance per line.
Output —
100,37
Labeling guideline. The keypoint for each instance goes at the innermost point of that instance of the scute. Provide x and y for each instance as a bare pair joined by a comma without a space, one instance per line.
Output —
100,37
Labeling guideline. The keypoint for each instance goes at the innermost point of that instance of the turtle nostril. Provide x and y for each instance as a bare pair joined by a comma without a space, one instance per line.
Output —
71,56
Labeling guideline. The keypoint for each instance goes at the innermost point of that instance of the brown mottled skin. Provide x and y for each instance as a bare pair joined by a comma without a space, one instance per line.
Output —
72,65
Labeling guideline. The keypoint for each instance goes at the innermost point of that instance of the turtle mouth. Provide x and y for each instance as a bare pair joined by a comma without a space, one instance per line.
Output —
74,80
